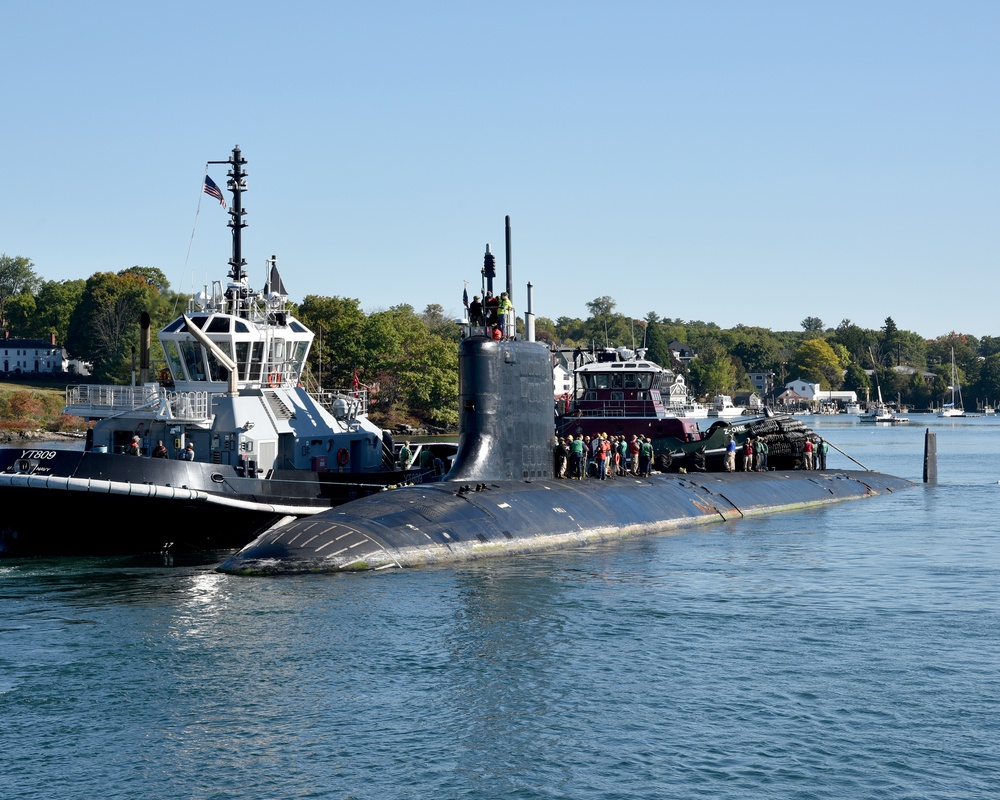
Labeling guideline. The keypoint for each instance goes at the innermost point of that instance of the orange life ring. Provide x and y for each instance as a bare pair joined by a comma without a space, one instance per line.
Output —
343,456
274,379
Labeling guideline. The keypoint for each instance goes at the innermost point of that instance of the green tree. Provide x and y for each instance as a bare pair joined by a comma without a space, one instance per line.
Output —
713,372
17,276
657,343
54,303
153,276
856,380
987,388
756,348
571,332
21,313
104,326
857,340
815,361
812,325
546,331
338,349
416,371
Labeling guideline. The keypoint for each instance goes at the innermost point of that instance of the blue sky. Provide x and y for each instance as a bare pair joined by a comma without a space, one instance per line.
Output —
732,162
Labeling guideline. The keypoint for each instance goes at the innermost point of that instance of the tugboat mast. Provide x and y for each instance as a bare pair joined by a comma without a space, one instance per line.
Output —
237,184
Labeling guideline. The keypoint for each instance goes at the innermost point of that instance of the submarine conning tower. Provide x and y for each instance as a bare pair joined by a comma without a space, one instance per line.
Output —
505,411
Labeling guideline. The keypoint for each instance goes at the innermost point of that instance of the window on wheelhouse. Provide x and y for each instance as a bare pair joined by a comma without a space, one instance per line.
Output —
173,357
256,362
243,359
277,356
296,359
193,357
217,371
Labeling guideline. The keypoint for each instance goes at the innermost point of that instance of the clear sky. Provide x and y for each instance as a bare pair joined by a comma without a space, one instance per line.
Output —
733,162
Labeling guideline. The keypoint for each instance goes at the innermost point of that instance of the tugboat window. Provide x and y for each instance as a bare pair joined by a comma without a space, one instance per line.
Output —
243,359
173,358
256,361
216,370
193,360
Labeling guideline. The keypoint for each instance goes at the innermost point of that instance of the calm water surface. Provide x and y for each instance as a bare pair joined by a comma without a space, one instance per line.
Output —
846,652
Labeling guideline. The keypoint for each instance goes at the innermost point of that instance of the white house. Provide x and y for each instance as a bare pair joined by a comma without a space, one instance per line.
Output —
32,355
813,393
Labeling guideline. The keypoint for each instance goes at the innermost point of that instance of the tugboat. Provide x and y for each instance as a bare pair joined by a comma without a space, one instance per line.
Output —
224,445
621,393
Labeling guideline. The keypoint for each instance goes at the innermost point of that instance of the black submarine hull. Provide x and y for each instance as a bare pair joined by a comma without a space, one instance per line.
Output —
438,523
501,498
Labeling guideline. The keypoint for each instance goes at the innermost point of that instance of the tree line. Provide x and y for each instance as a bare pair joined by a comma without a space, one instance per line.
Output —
902,363
409,360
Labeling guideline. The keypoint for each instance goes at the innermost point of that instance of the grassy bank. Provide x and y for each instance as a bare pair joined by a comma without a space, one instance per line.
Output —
24,406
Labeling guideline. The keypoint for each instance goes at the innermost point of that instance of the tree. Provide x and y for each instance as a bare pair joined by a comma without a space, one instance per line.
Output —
756,348
104,323
54,304
153,276
21,312
713,372
987,387
857,340
816,362
605,328
338,349
657,344
17,276
545,331
856,379
812,325
416,371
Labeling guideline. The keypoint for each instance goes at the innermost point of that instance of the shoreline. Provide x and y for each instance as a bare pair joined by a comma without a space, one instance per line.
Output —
37,434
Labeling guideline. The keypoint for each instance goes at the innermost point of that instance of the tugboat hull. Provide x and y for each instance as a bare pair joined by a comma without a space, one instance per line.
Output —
63,502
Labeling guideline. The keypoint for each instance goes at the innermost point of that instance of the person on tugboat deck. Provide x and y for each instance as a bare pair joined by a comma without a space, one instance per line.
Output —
405,456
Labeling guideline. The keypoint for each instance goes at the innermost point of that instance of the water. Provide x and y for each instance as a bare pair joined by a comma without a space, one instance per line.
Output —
845,652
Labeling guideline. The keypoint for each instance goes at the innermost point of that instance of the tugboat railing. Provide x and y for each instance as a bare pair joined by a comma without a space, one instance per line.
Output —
620,408
355,400
102,401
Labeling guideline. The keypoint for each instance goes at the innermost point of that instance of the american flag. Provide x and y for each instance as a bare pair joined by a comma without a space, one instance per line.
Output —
465,297
214,191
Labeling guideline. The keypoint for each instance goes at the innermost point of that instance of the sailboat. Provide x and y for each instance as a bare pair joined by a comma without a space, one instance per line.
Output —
955,407
879,412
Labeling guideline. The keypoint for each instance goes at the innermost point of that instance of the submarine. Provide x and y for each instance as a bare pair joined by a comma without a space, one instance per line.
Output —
501,496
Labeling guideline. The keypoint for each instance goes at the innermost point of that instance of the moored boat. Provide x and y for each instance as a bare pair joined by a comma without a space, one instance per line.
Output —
723,407
622,393
955,408
225,444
